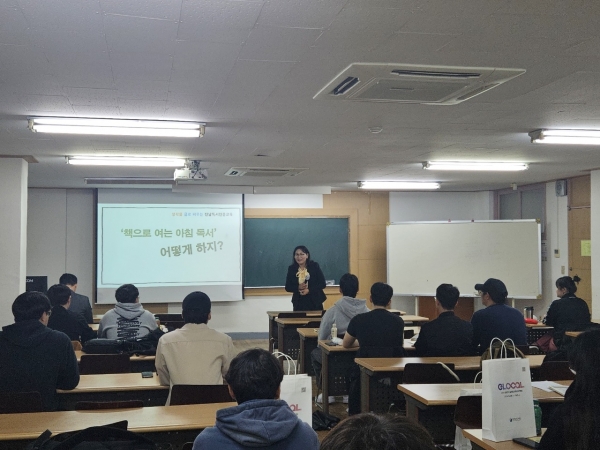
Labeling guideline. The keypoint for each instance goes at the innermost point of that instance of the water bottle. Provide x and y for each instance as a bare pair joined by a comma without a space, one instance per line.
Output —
334,331
537,411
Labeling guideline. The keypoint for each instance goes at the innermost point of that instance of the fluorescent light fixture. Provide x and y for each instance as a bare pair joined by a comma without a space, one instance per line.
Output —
397,185
583,137
125,161
476,166
116,127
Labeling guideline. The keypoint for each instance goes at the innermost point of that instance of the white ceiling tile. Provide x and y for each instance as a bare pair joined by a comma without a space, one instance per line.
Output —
131,67
96,111
218,20
142,109
14,28
47,103
142,90
136,34
300,13
62,15
157,9
278,44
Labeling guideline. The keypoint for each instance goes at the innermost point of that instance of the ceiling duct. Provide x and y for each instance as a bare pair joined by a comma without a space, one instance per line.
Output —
262,172
407,83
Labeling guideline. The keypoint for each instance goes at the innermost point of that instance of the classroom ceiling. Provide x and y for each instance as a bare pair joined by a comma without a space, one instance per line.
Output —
250,70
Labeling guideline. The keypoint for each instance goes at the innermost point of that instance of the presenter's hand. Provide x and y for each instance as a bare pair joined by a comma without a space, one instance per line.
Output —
304,291
302,286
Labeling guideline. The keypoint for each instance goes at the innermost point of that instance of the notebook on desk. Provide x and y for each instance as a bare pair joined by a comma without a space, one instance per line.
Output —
560,389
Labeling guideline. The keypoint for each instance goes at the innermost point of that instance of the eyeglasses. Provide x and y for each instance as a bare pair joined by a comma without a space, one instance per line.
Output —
49,313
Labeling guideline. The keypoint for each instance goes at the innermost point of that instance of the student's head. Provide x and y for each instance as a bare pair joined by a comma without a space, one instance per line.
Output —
567,285
196,308
368,431
59,294
349,285
447,295
381,294
68,279
127,293
30,306
254,374
496,290
299,251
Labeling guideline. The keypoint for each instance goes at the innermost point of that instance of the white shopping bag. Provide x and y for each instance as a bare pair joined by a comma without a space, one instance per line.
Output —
296,390
507,399
461,442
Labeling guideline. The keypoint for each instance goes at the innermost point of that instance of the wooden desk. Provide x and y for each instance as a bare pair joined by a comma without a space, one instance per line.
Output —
433,405
94,326
377,392
272,315
288,341
97,318
176,424
139,363
115,387
337,362
414,320
478,443
573,334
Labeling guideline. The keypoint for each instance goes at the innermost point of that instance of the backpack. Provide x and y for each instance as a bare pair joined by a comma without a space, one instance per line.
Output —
145,345
110,437
493,351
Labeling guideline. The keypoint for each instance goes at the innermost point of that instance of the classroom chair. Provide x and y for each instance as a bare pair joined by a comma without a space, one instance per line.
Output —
121,404
100,364
187,446
191,394
291,315
315,324
467,413
415,373
555,370
20,402
408,334
171,321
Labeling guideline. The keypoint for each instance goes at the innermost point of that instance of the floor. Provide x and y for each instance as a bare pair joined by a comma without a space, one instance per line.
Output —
337,409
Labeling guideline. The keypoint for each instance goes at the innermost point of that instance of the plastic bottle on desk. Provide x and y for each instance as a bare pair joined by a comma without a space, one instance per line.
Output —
537,411
334,333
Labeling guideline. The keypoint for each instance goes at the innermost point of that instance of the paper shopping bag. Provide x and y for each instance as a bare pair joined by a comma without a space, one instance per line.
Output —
296,390
507,399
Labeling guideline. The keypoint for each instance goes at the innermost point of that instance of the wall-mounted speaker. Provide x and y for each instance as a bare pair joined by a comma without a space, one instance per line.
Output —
561,188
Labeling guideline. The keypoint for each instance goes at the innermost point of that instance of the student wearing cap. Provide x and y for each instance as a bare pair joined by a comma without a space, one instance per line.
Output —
194,354
497,319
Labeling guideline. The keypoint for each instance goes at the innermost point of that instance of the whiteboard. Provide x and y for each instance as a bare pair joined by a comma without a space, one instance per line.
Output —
423,255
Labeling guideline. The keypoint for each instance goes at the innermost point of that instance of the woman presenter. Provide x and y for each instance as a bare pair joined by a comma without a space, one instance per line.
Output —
306,281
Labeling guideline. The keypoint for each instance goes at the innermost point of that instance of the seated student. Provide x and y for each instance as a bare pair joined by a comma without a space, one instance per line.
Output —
80,304
378,432
194,354
32,356
340,313
65,320
260,420
447,335
380,334
128,319
575,423
497,319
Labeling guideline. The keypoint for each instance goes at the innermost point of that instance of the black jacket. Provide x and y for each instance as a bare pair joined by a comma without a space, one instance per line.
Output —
35,358
73,325
445,336
568,313
313,301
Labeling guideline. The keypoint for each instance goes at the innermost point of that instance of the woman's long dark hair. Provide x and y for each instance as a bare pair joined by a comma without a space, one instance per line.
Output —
568,283
582,405
304,250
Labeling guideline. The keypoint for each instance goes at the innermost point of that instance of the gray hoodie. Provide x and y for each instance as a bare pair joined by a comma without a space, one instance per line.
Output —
127,320
340,314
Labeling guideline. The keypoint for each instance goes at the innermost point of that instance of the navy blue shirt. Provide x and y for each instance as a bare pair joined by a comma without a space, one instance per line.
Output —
498,320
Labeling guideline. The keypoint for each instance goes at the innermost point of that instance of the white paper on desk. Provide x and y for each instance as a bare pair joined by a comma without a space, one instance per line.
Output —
337,340
545,385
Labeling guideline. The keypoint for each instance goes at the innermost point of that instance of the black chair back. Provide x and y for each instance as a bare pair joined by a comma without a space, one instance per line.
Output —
100,364
191,394
20,402
415,373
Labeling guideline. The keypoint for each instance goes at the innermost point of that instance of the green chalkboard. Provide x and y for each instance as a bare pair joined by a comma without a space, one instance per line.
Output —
269,244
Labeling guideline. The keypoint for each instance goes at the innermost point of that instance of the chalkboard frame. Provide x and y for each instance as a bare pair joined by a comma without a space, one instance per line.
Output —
315,254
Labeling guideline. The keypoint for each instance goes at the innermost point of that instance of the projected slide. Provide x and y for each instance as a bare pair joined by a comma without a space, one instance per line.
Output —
152,245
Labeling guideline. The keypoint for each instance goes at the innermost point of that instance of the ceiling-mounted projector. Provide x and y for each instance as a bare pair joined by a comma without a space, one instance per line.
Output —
183,174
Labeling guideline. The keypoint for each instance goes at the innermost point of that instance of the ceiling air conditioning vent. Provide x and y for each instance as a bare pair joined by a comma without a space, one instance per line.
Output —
408,83
262,172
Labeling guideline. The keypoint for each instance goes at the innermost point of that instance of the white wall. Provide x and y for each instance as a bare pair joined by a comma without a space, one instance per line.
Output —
595,237
13,232
60,235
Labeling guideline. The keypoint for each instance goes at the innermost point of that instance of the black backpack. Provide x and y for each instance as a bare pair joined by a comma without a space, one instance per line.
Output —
145,345
110,437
